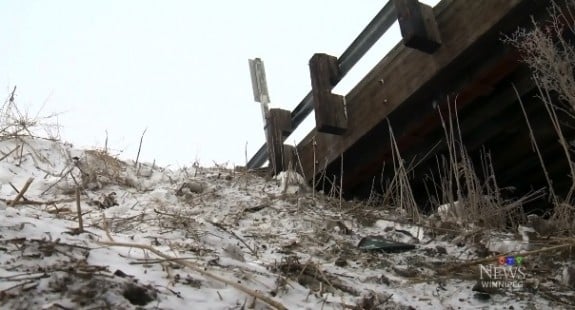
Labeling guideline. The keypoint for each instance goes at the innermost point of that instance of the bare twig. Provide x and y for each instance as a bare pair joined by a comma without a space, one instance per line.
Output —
140,147
35,202
159,261
200,270
341,183
59,180
22,286
106,228
12,95
21,155
21,193
79,209
25,276
14,188
536,148
222,227
314,185
9,153
106,143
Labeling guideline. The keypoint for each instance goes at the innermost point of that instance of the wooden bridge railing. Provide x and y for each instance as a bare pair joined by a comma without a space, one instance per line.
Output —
419,30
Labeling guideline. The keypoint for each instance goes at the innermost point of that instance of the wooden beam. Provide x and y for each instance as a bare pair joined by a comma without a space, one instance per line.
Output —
416,138
330,114
282,121
418,26
404,72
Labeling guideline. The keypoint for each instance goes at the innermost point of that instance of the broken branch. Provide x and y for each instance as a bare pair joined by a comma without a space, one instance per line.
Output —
222,227
21,193
9,153
201,271
79,209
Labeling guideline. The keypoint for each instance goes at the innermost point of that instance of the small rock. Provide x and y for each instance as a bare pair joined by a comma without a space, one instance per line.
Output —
120,273
482,296
139,295
343,229
482,251
383,280
429,251
190,187
441,250
340,262
109,201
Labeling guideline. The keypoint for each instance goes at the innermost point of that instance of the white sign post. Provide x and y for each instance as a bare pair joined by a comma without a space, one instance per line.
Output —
261,95
260,86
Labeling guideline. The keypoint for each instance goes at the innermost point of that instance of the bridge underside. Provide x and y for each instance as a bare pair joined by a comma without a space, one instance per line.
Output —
473,75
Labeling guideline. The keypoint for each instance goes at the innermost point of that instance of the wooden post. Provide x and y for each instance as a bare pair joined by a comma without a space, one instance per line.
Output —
330,113
418,26
282,119
289,159
279,127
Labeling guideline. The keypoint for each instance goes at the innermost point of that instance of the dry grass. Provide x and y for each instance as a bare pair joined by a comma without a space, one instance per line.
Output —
550,53
470,193
16,124
467,197
468,189
399,192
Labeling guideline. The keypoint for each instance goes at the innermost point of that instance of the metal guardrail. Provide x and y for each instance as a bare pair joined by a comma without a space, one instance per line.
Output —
364,41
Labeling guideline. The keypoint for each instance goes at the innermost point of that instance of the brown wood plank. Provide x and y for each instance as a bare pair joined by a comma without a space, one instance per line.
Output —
279,126
282,119
418,26
419,137
330,114
402,72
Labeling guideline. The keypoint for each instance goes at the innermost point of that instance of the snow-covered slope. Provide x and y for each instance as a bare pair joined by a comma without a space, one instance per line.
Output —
198,238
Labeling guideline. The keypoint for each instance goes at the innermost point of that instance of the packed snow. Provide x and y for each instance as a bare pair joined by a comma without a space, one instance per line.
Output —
227,238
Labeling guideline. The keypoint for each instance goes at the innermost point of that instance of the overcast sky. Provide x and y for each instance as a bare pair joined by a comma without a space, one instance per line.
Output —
178,68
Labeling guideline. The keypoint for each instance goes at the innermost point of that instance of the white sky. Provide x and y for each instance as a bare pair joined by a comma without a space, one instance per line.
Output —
178,68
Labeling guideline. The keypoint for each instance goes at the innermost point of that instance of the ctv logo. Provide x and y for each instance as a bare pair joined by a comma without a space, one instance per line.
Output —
508,272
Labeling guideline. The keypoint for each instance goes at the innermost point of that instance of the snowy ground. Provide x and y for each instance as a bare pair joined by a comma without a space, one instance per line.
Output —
201,238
